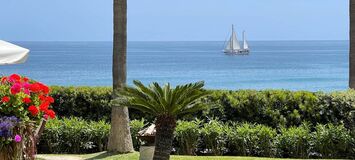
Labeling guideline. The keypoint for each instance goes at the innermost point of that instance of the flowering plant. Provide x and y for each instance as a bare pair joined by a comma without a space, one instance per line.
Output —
7,125
23,103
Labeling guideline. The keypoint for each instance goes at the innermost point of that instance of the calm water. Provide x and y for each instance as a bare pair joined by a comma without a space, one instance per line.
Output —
296,65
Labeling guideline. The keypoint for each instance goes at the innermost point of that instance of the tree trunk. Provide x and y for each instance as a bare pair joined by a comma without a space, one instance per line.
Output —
120,139
352,45
165,126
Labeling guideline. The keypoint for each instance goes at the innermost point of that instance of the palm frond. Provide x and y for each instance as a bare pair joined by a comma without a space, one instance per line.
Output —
158,100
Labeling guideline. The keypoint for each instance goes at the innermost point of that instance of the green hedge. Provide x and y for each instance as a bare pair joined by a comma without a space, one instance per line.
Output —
75,135
274,108
277,108
89,103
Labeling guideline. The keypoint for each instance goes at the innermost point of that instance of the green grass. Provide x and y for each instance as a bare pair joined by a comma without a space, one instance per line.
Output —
135,156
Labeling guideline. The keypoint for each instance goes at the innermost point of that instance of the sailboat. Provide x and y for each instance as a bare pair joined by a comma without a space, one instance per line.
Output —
233,45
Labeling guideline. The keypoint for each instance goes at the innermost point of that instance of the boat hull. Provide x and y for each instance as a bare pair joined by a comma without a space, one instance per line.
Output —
237,52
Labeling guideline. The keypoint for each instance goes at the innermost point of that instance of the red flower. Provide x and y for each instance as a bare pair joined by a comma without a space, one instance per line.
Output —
5,99
50,113
25,79
44,106
39,87
35,87
33,110
44,88
14,78
50,99
26,100
16,88
3,80
42,98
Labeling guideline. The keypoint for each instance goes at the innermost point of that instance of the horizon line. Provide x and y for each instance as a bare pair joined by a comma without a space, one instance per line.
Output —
165,40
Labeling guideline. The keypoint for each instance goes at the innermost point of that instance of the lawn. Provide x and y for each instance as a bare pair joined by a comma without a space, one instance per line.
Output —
135,156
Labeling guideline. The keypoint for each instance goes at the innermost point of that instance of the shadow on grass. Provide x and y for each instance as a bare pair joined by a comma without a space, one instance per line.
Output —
107,154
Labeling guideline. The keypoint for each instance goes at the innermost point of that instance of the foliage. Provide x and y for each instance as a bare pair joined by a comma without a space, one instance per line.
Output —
213,134
166,103
157,100
331,141
187,135
249,139
293,142
136,126
89,103
282,108
275,108
75,135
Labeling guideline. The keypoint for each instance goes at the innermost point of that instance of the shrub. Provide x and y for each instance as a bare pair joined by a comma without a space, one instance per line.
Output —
89,103
330,141
187,134
136,126
293,142
75,135
213,134
251,140
274,108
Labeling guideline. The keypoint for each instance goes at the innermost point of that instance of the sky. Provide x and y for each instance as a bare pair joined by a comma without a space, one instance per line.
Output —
174,20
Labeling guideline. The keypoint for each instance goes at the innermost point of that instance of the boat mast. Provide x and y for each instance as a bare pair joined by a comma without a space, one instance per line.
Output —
244,40
232,37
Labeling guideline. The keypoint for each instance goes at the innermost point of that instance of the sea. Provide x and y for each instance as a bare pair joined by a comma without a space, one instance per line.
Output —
291,65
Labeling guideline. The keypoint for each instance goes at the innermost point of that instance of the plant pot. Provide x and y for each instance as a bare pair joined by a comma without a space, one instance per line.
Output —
12,151
146,152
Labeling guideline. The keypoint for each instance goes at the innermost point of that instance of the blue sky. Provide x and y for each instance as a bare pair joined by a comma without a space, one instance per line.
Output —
174,20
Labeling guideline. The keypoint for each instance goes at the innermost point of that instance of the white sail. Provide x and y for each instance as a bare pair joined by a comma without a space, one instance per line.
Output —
236,45
245,42
233,43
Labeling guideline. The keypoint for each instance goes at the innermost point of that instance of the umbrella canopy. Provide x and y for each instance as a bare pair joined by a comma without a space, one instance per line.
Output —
12,54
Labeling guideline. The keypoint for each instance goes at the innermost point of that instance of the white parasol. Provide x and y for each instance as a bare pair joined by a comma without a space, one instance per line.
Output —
12,54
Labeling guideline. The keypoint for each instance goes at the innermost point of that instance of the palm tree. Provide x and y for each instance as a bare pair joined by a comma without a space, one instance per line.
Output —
352,45
120,139
166,104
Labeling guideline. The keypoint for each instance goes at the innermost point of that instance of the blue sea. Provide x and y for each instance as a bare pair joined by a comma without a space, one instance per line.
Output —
294,65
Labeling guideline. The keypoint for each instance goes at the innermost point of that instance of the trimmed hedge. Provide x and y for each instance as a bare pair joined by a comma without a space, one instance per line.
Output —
282,108
75,135
89,103
274,108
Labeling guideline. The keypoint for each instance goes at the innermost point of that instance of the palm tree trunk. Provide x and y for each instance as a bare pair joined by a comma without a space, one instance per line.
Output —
165,126
120,139
352,45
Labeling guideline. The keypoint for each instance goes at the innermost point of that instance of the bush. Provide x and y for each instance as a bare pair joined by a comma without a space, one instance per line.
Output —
331,141
213,134
136,126
282,108
187,135
251,140
75,135
89,103
274,108
293,142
